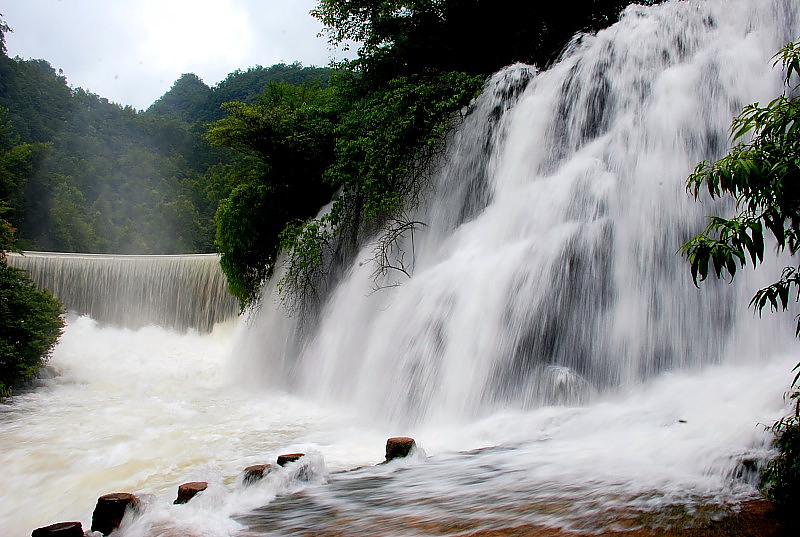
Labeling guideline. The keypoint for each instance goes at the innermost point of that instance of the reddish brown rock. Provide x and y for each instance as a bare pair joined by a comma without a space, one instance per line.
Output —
283,460
60,529
110,509
255,473
398,447
187,491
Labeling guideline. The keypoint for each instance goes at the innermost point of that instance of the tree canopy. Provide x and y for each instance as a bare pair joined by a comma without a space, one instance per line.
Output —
372,146
289,135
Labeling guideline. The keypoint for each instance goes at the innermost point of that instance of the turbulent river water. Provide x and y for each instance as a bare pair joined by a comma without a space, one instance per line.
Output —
549,352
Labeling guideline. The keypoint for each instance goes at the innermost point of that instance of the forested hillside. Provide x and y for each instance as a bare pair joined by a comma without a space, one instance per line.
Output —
192,101
101,177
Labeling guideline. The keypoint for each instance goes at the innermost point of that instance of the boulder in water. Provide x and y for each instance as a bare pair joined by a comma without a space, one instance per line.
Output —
399,447
187,491
60,529
110,509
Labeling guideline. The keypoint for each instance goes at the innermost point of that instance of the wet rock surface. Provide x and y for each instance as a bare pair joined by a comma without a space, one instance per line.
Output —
110,510
399,446
187,491
60,529
255,473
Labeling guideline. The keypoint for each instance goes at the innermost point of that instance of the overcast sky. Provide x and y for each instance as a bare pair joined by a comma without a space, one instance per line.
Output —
132,51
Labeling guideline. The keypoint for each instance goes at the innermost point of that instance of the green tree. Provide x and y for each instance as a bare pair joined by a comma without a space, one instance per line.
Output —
16,163
289,132
30,325
762,175
107,178
30,320
249,223
389,138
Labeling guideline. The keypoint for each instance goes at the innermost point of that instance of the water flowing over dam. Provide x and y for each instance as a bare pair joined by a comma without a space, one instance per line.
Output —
549,352
173,291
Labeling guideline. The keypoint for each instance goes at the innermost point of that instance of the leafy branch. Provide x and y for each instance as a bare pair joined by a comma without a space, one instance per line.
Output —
763,176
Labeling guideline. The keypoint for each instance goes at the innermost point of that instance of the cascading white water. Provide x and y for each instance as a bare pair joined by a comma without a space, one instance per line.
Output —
548,270
549,353
173,291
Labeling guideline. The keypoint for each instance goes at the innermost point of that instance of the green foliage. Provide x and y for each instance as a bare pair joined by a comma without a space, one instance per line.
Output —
306,243
289,131
94,176
387,141
36,96
288,127
763,176
100,177
373,147
108,179
30,325
781,477
248,86
16,164
190,100
6,238
248,228
185,100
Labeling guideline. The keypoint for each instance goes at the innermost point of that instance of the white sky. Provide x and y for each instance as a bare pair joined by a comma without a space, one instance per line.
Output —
132,51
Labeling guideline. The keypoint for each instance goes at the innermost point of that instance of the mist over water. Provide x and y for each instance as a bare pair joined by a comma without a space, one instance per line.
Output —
550,353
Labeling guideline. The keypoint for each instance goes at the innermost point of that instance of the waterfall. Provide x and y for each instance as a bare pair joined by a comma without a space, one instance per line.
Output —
172,291
547,272
549,353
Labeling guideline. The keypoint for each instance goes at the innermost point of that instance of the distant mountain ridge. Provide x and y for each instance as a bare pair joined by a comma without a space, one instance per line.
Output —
190,99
